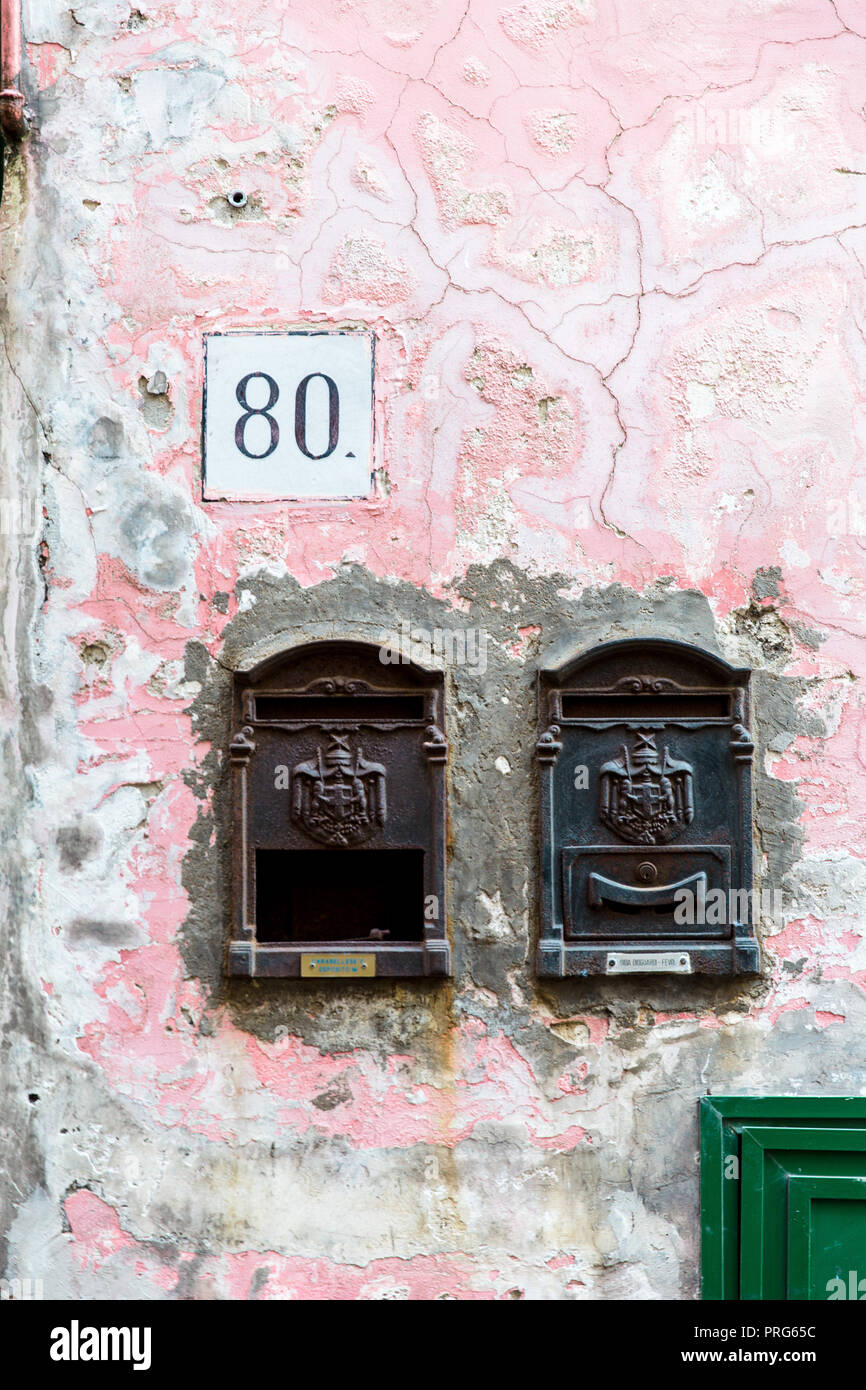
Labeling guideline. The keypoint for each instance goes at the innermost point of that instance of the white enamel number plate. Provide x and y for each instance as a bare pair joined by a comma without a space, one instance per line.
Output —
288,415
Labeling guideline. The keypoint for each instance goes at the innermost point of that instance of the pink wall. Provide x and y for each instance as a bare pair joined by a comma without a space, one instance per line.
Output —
613,254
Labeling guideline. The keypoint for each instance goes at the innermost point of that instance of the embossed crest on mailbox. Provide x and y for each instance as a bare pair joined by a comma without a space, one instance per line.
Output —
646,813
338,768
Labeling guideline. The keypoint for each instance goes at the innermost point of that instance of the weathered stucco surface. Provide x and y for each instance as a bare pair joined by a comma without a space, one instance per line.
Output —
614,257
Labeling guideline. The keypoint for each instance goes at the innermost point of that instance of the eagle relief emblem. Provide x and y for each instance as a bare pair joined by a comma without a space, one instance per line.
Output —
338,797
646,797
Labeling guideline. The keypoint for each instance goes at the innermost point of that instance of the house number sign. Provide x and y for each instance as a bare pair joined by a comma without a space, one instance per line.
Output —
287,415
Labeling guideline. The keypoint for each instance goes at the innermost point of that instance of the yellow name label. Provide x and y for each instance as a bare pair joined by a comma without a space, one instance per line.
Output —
331,963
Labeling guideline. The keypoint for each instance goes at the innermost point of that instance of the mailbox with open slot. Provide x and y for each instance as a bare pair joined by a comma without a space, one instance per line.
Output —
646,813
338,768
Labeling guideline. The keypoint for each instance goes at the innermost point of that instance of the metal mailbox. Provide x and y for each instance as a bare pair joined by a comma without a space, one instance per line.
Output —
338,768
646,813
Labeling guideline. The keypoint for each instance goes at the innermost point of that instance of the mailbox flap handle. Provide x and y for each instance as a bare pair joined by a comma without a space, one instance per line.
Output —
606,890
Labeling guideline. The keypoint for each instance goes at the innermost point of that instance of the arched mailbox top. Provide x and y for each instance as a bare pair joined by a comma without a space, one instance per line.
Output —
348,659
644,678
681,662
327,681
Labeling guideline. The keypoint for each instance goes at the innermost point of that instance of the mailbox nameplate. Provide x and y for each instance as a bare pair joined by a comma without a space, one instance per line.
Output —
649,963
331,964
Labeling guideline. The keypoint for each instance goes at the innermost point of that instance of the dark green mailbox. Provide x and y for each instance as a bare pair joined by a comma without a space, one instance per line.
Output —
645,765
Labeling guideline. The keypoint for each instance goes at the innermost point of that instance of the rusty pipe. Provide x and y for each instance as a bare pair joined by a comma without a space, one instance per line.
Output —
13,122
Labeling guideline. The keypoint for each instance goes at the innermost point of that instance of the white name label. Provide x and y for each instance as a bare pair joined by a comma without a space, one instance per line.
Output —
287,415
648,963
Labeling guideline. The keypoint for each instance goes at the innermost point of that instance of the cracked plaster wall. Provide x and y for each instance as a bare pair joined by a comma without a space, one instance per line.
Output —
614,258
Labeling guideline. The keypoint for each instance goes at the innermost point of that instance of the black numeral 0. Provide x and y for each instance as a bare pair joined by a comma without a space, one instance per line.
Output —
251,410
301,415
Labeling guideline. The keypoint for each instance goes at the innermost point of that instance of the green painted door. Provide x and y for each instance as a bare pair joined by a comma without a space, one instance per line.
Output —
783,1197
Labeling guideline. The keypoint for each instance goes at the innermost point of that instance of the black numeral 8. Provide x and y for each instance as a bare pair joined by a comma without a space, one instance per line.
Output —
251,410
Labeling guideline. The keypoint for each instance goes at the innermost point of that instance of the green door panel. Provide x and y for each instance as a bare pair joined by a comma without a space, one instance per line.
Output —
722,1121
827,1238
770,1156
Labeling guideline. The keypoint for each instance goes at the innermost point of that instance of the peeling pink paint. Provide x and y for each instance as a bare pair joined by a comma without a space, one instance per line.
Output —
95,1226
49,60
98,1237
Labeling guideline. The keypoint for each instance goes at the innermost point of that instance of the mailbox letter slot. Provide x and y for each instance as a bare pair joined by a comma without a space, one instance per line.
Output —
604,890
646,812
339,816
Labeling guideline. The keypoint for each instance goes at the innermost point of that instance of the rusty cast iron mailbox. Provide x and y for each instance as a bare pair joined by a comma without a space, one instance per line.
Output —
646,813
338,768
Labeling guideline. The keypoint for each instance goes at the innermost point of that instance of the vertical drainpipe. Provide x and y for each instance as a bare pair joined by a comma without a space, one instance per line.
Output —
13,124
